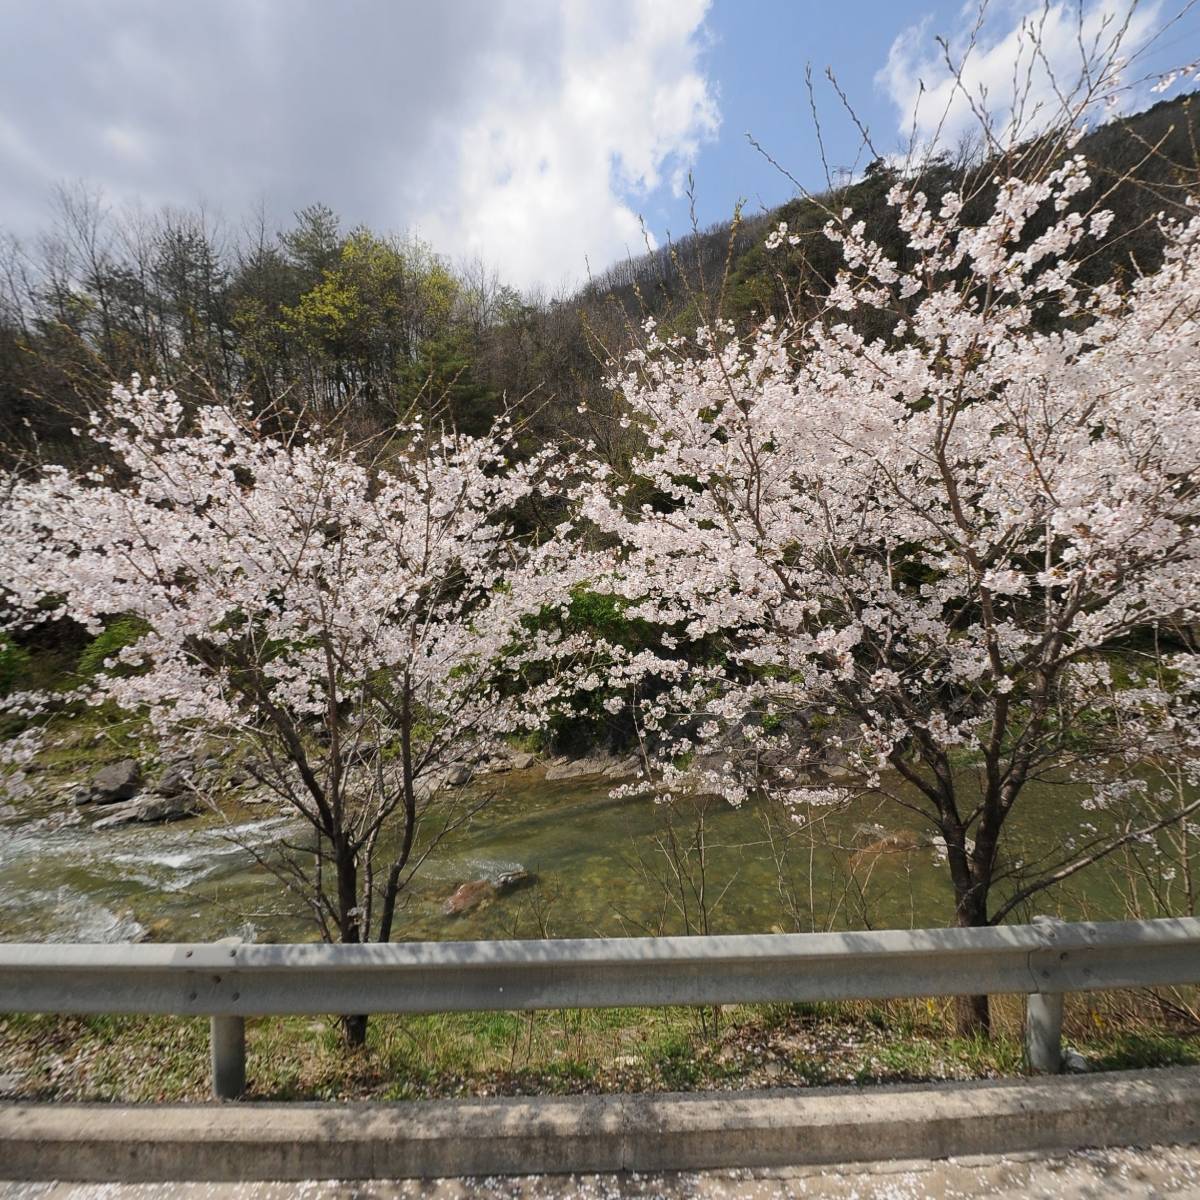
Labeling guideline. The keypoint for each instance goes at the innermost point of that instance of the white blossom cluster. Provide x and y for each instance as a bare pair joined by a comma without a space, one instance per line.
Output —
286,576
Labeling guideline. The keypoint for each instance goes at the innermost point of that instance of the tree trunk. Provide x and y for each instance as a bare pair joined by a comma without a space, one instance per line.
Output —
354,1026
354,1030
972,1015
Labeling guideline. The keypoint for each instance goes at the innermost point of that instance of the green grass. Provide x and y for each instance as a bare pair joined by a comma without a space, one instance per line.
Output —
76,744
573,1051
1130,1050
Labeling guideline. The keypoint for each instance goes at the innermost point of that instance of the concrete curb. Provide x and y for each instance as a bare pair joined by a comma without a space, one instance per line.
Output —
646,1132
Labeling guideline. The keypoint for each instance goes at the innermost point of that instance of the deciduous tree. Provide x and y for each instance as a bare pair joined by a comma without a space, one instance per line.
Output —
955,555
350,620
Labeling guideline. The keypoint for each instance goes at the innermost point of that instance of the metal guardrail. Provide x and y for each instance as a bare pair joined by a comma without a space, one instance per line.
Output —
229,981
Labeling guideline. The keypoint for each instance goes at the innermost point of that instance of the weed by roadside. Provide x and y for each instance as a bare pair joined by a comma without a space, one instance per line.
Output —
574,1051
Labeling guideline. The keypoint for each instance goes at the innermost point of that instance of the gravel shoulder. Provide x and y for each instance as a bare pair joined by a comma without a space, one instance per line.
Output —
1081,1175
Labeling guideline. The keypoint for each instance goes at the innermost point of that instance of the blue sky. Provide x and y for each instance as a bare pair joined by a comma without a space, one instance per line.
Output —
756,52
529,134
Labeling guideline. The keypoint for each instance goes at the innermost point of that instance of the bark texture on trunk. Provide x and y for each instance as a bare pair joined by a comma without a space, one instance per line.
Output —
354,1026
972,1014
354,1029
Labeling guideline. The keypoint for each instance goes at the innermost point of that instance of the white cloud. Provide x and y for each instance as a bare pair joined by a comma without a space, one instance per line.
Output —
1018,65
546,173
527,131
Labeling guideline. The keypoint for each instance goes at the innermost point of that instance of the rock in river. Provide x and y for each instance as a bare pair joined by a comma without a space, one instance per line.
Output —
903,841
468,896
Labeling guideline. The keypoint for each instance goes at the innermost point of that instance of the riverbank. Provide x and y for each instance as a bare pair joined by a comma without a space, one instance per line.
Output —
160,1059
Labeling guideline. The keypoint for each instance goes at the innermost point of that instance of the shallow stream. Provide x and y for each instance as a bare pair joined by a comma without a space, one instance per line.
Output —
602,867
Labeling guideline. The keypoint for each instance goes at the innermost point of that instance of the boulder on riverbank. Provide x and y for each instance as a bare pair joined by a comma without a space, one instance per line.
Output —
458,775
504,761
427,785
175,780
607,765
111,784
152,810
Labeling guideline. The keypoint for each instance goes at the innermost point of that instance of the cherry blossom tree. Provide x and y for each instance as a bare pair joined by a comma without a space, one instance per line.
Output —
942,558
350,621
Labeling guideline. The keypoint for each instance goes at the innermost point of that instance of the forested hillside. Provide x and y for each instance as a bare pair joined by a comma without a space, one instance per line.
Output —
358,325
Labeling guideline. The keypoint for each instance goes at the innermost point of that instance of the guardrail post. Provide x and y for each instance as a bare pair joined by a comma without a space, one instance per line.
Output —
1043,1024
228,1038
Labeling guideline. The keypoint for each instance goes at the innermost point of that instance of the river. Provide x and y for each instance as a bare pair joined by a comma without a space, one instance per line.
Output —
600,864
